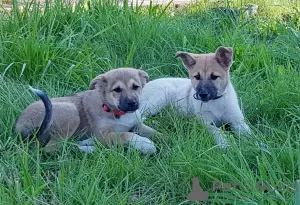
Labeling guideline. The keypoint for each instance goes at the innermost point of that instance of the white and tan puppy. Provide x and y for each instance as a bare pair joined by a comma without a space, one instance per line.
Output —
109,111
208,93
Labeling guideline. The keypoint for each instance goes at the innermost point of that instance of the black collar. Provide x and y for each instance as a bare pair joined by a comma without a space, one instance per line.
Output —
196,97
218,97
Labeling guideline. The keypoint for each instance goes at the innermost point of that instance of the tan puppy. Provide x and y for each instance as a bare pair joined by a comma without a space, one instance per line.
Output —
108,111
208,93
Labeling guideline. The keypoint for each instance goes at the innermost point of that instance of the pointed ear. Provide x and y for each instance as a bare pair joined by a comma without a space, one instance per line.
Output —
224,56
144,77
98,82
187,59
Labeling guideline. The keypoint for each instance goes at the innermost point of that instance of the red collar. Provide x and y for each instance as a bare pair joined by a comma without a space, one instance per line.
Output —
115,112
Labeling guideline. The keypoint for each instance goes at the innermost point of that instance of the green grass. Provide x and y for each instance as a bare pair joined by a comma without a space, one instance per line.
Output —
60,51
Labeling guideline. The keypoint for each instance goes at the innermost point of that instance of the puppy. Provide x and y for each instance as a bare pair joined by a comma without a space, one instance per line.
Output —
208,93
108,111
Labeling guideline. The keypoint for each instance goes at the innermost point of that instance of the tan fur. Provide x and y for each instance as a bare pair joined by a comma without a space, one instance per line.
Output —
208,65
83,111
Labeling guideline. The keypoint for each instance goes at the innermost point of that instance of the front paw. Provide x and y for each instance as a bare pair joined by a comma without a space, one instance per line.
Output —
262,145
143,144
86,142
224,146
86,149
246,130
221,142
242,128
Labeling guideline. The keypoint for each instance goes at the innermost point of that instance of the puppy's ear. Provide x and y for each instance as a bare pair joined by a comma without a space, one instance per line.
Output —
144,77
98,82
224,56
187,59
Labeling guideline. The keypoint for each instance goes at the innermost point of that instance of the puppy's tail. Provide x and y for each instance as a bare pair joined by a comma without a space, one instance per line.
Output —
44,139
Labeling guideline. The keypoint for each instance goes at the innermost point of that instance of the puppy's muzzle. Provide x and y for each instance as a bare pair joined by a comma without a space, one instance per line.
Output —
129,105
202,95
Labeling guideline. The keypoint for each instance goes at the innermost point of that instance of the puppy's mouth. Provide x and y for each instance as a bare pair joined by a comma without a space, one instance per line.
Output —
128,104
206,98
203,98
128,110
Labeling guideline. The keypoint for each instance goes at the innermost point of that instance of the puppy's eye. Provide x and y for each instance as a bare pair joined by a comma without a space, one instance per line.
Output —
214,77
197,77
117,90
135,87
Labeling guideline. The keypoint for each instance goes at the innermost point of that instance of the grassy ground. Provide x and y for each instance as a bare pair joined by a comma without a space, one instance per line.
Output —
60,51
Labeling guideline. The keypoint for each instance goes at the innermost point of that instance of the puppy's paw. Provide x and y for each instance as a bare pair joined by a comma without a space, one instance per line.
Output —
246,131
86,149
262,145
224,146
242,128
222,142
143,144
87,142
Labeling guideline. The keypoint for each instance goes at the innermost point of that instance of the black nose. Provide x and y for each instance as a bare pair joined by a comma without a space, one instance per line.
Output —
131,102
203,95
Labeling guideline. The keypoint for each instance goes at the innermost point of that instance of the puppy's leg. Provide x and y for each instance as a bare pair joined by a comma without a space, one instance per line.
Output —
145,131
237,121
64,123
51,146
142,144
240,127
86,142
87,149
215,131
208,120
87,145
238,124
219,138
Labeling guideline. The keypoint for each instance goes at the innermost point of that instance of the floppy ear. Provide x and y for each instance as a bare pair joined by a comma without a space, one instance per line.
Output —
187,59
98,82
224,56
144,77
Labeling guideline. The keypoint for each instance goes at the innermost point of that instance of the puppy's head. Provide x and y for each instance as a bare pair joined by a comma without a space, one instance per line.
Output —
121,88
209,73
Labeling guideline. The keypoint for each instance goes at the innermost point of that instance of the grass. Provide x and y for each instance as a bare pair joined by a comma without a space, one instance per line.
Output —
63,47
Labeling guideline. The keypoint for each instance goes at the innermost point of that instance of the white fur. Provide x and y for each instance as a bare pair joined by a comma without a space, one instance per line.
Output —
143,144
178,92
87,149
87,142
127,121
